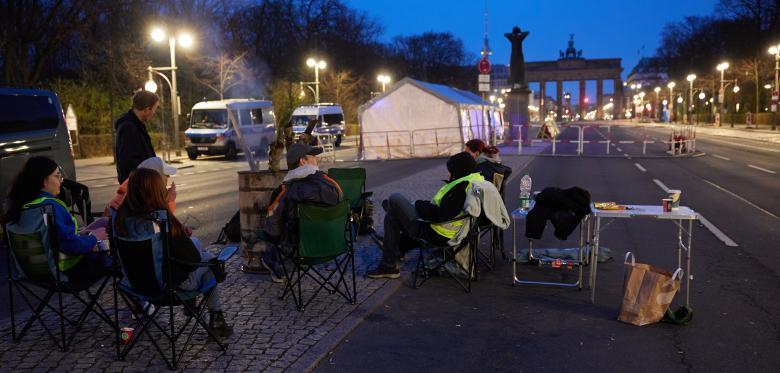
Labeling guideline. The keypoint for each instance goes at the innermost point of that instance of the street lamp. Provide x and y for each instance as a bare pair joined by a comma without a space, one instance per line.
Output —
671,86
642,103
186,41
690,78
736,104
775,49
384,79
658,108
722,92
317,65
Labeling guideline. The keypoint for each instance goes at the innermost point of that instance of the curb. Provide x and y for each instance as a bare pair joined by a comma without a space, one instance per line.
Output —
320,350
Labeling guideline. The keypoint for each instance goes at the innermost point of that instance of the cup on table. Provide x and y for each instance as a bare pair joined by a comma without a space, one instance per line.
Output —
667,204
126,335
674,195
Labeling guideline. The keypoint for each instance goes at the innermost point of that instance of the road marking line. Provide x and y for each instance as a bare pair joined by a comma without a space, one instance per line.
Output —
717,232
626,142
174,175
639,166
744,146
186,173
762,169
721,157
661,185
100,185
618,149
711,227
740,198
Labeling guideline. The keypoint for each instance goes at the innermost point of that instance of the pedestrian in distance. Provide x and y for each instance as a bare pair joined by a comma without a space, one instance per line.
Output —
133,143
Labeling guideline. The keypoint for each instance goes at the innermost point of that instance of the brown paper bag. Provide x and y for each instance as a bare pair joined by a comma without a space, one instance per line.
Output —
647,292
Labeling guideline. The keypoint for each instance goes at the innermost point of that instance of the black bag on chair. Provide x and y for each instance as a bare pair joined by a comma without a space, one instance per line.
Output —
231,232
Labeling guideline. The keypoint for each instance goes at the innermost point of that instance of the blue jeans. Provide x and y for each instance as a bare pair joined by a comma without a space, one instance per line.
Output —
200,276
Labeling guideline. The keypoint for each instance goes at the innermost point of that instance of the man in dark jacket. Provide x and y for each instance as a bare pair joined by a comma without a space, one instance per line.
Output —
402,227
133,144
304,182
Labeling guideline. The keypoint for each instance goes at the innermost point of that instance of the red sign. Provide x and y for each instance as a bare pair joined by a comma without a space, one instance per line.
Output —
483,66
774,95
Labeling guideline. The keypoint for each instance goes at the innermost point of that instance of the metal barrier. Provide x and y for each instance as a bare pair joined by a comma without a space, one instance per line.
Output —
367,138
440,139
325,140
682,138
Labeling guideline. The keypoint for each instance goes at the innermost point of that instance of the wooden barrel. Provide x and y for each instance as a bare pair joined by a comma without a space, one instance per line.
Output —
254,194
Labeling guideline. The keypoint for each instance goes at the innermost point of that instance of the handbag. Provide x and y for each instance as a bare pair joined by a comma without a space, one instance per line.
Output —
647,292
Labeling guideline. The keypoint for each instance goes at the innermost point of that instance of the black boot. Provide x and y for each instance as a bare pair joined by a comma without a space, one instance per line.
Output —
219,326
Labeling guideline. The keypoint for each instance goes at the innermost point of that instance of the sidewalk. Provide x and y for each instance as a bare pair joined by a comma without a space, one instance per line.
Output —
270,335
764,133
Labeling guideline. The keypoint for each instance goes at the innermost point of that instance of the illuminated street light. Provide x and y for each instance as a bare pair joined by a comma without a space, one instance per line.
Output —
384,79
702,96
317,65
775,50
185,40
671,86
150,86
690,78
736,89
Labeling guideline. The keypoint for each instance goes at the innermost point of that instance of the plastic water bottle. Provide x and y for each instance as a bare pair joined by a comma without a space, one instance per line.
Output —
525,192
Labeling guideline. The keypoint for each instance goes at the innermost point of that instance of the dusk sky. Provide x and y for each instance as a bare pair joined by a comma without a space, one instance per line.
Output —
601,28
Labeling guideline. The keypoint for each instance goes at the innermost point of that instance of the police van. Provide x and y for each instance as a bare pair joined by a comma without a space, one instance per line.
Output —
211,133
330,116
31,124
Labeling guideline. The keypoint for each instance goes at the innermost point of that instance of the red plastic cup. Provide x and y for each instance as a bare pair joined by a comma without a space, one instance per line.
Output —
667,204
126,335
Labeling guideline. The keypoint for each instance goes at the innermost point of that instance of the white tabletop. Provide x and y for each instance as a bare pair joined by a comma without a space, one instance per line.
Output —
648,211
632,211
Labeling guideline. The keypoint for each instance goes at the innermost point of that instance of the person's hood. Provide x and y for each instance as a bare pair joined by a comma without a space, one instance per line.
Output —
301,172
460,165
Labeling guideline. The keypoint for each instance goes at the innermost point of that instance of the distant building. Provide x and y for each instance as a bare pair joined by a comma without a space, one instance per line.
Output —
648,73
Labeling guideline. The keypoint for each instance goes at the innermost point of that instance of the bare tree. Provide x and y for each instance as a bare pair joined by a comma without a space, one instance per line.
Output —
223,72
345,88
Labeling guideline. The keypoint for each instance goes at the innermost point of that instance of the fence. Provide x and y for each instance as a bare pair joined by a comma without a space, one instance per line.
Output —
682,138
429,142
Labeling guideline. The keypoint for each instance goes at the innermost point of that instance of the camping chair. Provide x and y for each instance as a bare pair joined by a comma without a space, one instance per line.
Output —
450,257
500,174
145,260
76,195
33,249
353,184
324,235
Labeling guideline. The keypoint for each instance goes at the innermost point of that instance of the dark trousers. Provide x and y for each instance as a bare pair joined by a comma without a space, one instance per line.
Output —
401,228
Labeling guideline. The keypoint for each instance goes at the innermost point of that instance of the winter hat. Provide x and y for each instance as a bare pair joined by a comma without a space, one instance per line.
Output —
460,165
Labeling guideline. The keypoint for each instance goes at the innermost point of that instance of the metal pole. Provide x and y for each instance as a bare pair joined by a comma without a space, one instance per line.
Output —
774,112
690,104
175,95
672,112
722,97
317,84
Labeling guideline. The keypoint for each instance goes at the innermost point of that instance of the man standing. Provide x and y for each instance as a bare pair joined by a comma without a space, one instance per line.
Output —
133,144
304,182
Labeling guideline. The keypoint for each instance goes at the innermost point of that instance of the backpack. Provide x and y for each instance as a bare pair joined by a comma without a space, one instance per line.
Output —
231,232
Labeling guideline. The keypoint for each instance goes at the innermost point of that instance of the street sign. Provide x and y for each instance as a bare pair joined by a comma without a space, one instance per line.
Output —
483,66
484,87
484,78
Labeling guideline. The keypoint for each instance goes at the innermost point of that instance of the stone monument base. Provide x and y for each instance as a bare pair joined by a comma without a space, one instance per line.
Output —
517,111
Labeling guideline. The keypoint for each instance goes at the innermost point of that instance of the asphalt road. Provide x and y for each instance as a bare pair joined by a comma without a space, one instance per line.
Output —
504,328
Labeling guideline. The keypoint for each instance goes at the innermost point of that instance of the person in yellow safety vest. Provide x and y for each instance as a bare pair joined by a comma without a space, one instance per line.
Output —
38,183
401,225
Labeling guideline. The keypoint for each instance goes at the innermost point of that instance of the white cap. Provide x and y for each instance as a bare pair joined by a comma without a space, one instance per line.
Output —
157,164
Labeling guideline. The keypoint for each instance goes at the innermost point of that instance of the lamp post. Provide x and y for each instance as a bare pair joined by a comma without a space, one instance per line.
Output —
642,103
673,112
384,79
317,65
185,40
775,49
722,92
690,79
736,104
657,106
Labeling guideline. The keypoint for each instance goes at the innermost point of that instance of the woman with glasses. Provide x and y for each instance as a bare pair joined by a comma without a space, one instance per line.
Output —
38,183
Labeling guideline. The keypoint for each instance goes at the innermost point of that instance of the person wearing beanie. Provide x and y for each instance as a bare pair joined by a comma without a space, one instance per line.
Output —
401,226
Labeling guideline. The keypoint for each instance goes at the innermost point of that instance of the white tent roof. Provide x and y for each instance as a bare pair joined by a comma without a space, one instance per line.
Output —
420,119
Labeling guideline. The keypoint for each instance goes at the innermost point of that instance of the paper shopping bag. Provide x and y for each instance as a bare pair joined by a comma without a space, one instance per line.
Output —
647,292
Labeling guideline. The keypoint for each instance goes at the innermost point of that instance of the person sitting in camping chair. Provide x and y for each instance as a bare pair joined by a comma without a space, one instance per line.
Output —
304,182
401,218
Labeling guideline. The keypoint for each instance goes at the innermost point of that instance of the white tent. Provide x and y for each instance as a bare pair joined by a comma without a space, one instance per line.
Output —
416,119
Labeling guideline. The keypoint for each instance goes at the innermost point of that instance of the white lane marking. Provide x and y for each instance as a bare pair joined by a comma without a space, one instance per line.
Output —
626,142
618,149
711,227
639,166
661,185
717,232
744,146
721,157
100,185
741,199
186,173
174,175
762,169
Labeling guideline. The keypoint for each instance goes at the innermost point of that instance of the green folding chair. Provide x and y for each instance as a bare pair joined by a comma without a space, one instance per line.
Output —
324,236
353,184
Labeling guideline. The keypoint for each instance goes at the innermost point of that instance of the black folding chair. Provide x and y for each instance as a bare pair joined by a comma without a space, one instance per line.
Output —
76,195
145,259
324,235
34,263
444,259
498,175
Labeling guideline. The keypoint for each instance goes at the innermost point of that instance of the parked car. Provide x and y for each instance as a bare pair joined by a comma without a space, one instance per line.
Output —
31,124
330,116
211,133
